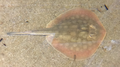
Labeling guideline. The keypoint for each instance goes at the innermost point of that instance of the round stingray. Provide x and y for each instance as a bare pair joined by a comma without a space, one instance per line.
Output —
78,33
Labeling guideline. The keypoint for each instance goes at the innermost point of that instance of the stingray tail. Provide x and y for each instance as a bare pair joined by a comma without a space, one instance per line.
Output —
29,33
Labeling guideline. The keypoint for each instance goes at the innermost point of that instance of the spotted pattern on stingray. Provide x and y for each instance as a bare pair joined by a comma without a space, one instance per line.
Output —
78,32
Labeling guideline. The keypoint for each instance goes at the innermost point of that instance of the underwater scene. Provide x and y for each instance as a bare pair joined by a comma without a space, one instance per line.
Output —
59,33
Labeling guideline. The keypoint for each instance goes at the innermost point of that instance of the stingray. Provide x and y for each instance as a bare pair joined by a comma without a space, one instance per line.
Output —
76,33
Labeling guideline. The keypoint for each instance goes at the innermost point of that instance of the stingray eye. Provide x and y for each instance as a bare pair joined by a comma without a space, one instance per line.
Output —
92,32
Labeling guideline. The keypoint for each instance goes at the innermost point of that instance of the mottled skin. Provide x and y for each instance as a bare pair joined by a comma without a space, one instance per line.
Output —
76,33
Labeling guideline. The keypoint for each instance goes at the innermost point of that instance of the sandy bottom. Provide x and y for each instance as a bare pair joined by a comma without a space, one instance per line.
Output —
34,51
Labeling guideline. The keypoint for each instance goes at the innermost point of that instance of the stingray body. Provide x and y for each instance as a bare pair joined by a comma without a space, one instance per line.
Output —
76,33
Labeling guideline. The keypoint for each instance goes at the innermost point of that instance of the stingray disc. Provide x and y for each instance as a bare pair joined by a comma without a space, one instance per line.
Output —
78,33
